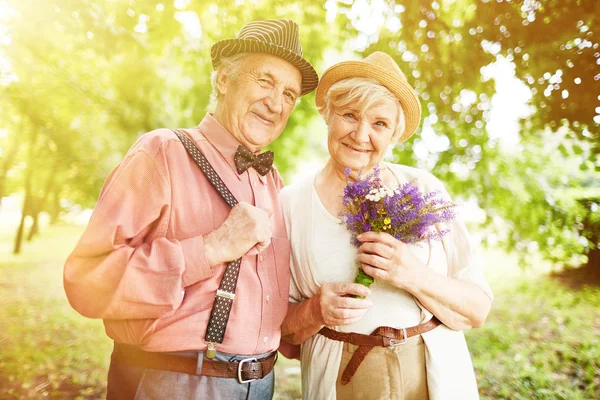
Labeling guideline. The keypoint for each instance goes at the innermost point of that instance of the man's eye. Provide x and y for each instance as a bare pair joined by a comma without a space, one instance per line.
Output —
290,96
349,115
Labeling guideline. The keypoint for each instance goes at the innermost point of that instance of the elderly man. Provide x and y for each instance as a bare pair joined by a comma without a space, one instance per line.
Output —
158,261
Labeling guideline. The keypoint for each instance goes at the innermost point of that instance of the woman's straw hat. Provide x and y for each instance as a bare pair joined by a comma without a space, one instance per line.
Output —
383,69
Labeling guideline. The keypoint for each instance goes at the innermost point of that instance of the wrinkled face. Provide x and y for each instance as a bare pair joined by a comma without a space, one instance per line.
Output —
255,107
360,141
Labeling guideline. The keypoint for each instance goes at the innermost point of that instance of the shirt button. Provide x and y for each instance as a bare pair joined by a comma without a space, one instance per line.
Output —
260,258
265,339
268,297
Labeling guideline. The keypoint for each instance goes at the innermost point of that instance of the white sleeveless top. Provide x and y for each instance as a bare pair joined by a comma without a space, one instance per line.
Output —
335,261
321,252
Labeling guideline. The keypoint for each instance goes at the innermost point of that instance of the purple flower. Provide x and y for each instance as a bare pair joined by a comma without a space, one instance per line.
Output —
410,214
405,213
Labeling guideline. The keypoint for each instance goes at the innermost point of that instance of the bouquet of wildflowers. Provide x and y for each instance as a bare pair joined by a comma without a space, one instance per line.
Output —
403,212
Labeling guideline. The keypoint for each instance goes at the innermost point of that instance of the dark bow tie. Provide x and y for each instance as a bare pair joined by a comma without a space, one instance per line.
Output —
244,159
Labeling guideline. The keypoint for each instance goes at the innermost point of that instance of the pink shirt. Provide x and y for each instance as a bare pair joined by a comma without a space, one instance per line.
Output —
140,264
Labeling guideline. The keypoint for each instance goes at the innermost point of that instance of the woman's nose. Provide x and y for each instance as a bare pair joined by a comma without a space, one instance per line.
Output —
361,134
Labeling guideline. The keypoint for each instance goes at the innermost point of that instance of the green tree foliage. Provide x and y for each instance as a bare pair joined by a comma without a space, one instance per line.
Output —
80,80
443,47
86,78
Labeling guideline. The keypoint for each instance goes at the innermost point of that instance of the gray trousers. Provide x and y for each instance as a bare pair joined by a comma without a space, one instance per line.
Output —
131,382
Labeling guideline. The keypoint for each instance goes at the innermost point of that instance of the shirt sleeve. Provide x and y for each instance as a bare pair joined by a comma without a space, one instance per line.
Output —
464,263
295,296
285,200
124,267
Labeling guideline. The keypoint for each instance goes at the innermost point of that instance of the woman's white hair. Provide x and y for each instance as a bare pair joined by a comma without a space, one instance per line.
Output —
365,92
230,65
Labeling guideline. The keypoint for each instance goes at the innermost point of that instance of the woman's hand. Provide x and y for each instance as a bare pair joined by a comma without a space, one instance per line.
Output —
458,304
329,307
336,308
385,258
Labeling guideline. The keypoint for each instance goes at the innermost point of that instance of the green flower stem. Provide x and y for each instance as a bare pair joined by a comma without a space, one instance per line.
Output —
364,280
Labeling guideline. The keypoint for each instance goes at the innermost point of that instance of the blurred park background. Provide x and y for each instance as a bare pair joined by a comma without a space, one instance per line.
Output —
511,123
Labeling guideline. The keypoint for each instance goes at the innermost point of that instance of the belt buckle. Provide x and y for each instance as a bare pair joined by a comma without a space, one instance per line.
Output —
395,342
239,371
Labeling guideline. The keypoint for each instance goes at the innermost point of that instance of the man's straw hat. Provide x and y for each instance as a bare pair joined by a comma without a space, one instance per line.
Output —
276,37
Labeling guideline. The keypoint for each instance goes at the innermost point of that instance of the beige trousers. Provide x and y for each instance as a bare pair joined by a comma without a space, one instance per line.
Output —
396,373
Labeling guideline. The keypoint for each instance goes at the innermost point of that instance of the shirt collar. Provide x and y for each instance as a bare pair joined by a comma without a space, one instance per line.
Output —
225,143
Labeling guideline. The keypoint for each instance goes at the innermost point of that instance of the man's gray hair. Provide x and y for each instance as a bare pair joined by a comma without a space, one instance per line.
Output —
230,65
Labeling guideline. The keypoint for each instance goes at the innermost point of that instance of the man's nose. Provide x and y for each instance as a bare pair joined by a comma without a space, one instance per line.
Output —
274,101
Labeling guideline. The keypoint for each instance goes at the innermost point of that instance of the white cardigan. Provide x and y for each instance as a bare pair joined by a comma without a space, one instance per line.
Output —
450,373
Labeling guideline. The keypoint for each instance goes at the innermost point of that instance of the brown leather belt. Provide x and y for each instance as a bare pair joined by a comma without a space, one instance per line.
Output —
384,336
244,371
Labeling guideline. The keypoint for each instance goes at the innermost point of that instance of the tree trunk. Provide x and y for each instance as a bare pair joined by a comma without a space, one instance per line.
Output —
40,203
10,158
594,258
33,231
55,209
28,193
19,237
26,211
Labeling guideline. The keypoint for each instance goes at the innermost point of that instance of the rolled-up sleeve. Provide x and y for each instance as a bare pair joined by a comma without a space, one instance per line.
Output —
124,267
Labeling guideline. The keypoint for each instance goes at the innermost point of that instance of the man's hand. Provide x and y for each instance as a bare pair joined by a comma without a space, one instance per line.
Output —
245,227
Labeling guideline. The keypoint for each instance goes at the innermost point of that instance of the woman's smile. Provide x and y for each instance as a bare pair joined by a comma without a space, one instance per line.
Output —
355,150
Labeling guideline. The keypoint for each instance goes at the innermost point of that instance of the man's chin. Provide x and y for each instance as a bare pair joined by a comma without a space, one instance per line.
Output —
262,133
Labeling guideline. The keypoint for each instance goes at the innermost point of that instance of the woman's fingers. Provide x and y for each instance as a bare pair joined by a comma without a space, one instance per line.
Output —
377,248
380,237
347,313
349,302
345,316
375,272
374,261
342,316
339,309
346,288
342,322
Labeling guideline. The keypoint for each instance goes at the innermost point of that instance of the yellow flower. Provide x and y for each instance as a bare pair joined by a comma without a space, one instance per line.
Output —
387,220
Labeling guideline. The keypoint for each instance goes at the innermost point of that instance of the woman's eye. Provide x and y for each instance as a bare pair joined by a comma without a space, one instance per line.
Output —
381,123
349,115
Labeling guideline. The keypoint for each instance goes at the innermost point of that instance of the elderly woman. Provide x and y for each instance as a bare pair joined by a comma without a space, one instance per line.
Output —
404,340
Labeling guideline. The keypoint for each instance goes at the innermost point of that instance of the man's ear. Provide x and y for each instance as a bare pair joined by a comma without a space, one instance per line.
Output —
222,81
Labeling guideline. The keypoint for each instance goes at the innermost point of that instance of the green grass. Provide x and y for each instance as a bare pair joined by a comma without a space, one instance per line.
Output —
47,349
541,340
